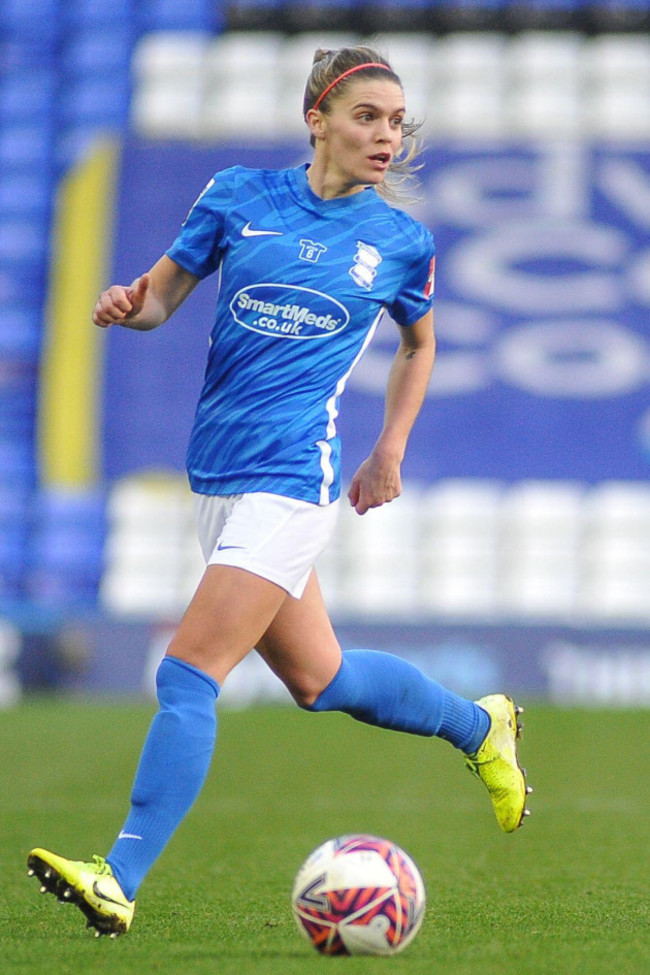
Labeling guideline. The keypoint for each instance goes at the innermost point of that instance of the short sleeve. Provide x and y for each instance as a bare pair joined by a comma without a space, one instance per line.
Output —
415,297
199,245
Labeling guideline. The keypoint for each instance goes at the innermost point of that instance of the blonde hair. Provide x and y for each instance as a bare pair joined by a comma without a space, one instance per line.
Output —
328,69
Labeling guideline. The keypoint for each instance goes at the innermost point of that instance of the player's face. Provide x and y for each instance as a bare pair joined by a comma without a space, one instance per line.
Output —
360,135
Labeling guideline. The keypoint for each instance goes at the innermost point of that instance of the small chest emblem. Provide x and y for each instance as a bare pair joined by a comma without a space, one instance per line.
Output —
366,261
311,250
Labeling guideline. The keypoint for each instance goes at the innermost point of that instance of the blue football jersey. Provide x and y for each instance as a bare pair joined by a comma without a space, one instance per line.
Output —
304,282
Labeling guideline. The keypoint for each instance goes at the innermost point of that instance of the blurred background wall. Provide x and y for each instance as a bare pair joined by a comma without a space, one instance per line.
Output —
519,554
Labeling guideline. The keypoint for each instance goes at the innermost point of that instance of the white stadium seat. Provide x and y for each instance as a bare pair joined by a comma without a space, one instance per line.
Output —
536,55
543,108
472,56
169,75
614,58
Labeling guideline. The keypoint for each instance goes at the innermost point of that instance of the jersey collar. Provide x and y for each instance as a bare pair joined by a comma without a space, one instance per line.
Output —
307,198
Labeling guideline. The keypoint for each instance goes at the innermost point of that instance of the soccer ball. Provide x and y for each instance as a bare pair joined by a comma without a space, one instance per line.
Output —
358,895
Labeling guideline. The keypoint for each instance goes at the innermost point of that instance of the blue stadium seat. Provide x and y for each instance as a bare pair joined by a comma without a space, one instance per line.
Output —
101,100
172,15
14,534
66,552
98,13
25,146
21,327
69,527
23,270
23,242
27,95
23,283
64,548
72,508
29,19
99,50
25,194
17,398
14,519
17,463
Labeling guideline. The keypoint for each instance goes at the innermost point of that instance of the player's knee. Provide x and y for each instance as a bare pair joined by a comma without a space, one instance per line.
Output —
305,699
324,695
305,693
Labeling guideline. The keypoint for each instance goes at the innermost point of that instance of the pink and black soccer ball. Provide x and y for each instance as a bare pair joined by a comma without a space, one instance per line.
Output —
359,895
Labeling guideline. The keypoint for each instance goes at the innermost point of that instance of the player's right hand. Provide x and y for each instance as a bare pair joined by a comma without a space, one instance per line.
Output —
119,304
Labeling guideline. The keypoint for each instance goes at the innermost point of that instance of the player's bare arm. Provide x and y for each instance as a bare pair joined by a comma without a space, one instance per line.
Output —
378,479
149,301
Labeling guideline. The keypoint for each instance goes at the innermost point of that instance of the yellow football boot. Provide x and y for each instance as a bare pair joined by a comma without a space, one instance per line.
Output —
496,763
91,886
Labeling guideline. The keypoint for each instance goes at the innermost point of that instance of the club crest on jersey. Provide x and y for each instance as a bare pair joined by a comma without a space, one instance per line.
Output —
366,261
311,250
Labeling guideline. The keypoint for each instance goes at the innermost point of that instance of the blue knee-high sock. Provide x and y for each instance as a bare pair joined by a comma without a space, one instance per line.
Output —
173,766
384,690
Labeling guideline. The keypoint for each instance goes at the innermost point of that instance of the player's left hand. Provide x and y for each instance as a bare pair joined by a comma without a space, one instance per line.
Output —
376,482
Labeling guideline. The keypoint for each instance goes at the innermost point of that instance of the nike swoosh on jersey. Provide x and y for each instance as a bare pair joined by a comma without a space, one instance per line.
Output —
220,547
248,231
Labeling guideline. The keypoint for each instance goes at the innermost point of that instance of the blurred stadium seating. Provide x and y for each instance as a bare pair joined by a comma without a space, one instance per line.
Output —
249,84
204,70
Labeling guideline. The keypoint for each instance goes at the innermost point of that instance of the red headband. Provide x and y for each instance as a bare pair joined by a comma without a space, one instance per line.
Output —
358,67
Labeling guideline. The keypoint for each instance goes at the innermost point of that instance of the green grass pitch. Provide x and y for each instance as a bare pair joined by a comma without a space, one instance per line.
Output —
566,894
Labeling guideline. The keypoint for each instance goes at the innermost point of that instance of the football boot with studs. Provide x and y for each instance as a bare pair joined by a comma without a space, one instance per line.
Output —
90,886
496,762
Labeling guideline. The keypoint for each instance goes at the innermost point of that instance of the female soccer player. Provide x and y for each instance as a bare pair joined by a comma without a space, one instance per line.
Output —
309,259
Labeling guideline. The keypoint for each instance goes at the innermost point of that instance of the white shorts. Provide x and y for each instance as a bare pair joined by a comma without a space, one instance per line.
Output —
272,536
